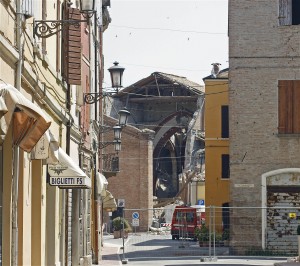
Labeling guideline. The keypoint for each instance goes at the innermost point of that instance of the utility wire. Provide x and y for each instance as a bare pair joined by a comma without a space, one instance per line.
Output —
173,30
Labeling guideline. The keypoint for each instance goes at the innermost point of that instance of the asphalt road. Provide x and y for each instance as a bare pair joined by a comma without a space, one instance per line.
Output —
160,250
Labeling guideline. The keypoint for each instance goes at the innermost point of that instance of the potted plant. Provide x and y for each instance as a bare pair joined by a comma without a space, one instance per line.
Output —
118,224
202,235
225,237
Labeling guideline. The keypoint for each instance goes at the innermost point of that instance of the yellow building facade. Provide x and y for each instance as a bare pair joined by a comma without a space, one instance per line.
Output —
217,176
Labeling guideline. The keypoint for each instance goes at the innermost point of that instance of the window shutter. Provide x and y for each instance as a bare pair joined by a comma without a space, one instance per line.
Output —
285,12
295,98
225,165
225,121
72,48
285,106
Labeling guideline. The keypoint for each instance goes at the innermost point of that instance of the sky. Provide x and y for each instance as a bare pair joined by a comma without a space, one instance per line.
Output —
179,37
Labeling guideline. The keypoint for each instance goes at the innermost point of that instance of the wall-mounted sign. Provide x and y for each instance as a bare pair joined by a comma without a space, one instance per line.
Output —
67,174
292,215
70,181
121,202
244,185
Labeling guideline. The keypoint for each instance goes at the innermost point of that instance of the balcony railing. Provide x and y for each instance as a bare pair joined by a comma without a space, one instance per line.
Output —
111,163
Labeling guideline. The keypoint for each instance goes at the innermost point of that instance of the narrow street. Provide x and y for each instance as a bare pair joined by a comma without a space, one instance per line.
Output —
160,250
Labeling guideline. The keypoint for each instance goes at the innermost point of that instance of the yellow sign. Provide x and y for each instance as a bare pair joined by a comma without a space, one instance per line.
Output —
292,215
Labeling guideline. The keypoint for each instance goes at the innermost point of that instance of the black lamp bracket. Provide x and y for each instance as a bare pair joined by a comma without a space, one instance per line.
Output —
93,97
104,144
47,28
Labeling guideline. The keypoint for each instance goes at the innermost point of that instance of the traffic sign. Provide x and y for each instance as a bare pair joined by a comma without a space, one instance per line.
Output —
135,215
135,222
201,202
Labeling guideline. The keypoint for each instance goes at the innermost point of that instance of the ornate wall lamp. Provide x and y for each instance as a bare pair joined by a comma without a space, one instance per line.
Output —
116,74
123,117
47,28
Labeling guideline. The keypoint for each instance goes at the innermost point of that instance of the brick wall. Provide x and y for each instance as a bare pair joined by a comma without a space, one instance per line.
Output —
260,54
134,181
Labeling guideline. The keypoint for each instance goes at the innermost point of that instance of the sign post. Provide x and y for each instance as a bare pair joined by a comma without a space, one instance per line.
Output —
135,220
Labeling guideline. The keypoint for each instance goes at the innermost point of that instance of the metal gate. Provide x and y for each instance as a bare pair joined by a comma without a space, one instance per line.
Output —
219,232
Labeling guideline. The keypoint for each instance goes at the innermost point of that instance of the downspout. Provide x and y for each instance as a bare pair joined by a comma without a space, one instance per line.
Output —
96,225
16,153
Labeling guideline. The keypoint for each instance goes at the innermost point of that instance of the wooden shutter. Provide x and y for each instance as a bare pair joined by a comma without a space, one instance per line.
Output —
296,106
72,48
288,106
285,89
225,121
285,12
225,165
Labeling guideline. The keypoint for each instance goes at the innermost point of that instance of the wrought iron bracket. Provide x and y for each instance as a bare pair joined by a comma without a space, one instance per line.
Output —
93,97
47,28
104,144
105,129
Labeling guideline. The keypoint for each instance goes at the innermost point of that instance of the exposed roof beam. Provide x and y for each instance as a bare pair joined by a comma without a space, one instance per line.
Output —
165,99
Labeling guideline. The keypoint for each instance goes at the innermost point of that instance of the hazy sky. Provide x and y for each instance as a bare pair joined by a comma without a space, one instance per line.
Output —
180,37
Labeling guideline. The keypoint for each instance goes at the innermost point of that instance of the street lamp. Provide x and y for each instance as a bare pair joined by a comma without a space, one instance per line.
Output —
116,74
123,117
47,28
87,6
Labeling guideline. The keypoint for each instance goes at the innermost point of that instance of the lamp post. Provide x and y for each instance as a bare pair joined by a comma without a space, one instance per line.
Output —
47,28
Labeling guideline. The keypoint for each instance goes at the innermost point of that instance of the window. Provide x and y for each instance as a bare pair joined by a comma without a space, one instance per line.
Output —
289,12
225,166
225,121
225,216
289,107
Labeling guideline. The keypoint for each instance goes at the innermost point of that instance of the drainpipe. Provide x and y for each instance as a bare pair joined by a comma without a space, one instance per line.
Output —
16,153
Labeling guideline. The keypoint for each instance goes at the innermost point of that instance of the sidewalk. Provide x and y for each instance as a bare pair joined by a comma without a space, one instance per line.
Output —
110,251
110,256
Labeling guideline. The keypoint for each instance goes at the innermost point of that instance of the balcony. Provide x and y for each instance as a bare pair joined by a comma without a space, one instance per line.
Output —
110,164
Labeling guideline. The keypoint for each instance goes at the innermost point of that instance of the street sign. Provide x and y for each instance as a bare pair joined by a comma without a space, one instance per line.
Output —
121,202
135,222
201,202
135,215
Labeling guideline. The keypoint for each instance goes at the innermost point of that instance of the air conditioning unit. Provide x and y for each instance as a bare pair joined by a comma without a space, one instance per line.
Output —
121,202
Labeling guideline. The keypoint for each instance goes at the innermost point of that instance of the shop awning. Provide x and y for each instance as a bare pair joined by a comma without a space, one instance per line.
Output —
66,173
101,183
109,202
29,121
46,149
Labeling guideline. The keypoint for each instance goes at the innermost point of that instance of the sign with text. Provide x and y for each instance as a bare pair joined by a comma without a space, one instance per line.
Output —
68,181
135,222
